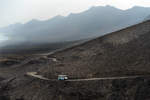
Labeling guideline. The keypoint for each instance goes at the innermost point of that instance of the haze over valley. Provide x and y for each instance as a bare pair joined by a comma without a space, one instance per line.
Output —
89,24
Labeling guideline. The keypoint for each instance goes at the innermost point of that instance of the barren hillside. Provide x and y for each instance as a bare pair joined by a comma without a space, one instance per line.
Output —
122,53
125,52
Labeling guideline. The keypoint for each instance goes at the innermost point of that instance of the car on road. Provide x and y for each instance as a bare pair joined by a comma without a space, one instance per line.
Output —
62,77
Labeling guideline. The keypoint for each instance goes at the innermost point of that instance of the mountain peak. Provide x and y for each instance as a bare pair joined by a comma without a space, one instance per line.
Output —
58,16
104,8
109,6
33,21
139,7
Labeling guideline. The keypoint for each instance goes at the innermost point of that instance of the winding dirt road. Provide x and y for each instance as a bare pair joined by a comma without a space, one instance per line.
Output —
34,75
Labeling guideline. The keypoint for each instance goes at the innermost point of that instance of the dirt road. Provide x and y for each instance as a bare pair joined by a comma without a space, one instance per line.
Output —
34,74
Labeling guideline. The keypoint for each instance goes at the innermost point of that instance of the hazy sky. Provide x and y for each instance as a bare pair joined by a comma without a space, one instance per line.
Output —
12,11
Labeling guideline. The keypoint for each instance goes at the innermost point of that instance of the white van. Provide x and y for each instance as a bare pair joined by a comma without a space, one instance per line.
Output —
62,77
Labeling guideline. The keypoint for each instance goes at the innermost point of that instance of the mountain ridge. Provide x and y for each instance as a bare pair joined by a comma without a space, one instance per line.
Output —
87,24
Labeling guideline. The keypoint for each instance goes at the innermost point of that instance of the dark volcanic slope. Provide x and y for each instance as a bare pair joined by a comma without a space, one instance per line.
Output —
125,52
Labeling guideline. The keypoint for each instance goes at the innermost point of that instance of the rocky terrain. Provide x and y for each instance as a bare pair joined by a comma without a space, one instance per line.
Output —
125,52
118,54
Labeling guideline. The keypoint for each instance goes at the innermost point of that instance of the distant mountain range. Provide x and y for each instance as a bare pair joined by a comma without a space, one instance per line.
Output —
88,24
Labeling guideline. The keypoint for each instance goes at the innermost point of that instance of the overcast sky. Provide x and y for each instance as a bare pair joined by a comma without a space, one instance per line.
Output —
13,11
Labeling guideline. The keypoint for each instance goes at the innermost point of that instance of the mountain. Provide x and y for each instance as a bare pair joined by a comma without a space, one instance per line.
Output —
124,52
120,59
94,22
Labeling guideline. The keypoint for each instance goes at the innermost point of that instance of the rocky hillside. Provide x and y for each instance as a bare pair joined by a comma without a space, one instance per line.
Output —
118,54
125,52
